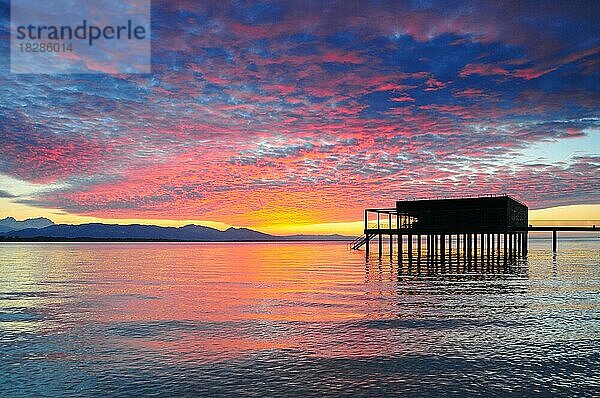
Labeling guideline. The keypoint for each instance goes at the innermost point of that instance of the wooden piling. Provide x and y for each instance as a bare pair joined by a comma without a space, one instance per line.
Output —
410,247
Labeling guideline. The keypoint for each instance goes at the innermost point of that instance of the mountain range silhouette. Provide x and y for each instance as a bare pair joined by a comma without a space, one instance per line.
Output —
43,228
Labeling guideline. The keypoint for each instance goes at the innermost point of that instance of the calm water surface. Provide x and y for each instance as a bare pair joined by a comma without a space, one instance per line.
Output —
293,319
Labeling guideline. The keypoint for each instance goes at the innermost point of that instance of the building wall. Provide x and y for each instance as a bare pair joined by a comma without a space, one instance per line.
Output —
518,216
474,215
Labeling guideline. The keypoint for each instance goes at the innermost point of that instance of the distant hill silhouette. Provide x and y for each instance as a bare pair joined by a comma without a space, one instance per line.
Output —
99,231
11,224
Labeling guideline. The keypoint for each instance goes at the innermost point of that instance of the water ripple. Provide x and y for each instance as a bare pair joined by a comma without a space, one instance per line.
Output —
293,319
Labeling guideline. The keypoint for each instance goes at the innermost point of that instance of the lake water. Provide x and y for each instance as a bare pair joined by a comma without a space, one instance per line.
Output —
293,319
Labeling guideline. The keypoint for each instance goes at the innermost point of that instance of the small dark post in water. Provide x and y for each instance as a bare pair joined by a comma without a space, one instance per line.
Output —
482,238
554,238
391,236
505,247
443,248
469,247
474,236
366,219
465,246
399,247
410,243
450,250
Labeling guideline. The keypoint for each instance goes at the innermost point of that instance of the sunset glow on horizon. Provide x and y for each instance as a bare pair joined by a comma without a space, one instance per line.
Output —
573,215
292,117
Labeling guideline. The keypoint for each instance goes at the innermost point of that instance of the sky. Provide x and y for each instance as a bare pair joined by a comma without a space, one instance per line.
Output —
293,116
